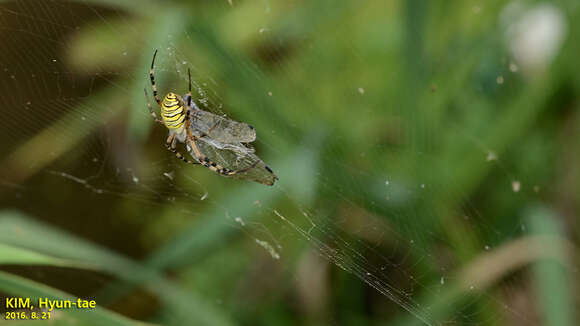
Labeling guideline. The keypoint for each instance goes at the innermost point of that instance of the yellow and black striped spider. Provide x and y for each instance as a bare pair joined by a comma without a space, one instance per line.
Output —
175,116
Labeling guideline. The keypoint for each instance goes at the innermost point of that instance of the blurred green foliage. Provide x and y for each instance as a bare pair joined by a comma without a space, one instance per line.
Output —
426,175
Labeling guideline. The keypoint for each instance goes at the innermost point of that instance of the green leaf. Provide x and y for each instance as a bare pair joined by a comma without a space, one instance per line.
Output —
551,277
17,230
19,256
19,286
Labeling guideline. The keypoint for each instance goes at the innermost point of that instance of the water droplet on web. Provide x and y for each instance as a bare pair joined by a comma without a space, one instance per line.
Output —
135,179
442,280
516,186
499,80
486,247
269,93
268,248
53,60
423,185
387,182
491,156
239,220
513,67
361,90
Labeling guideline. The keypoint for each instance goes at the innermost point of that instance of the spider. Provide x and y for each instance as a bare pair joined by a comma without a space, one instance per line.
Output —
175,116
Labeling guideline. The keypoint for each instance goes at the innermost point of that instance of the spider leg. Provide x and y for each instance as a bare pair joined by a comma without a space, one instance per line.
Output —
151,109
190,102
202,134
151,76
205,161
189,99
171,144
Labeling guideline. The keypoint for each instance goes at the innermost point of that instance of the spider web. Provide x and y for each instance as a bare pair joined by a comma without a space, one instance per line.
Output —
381,170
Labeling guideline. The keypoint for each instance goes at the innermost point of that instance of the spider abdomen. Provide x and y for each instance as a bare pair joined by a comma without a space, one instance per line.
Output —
172,112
